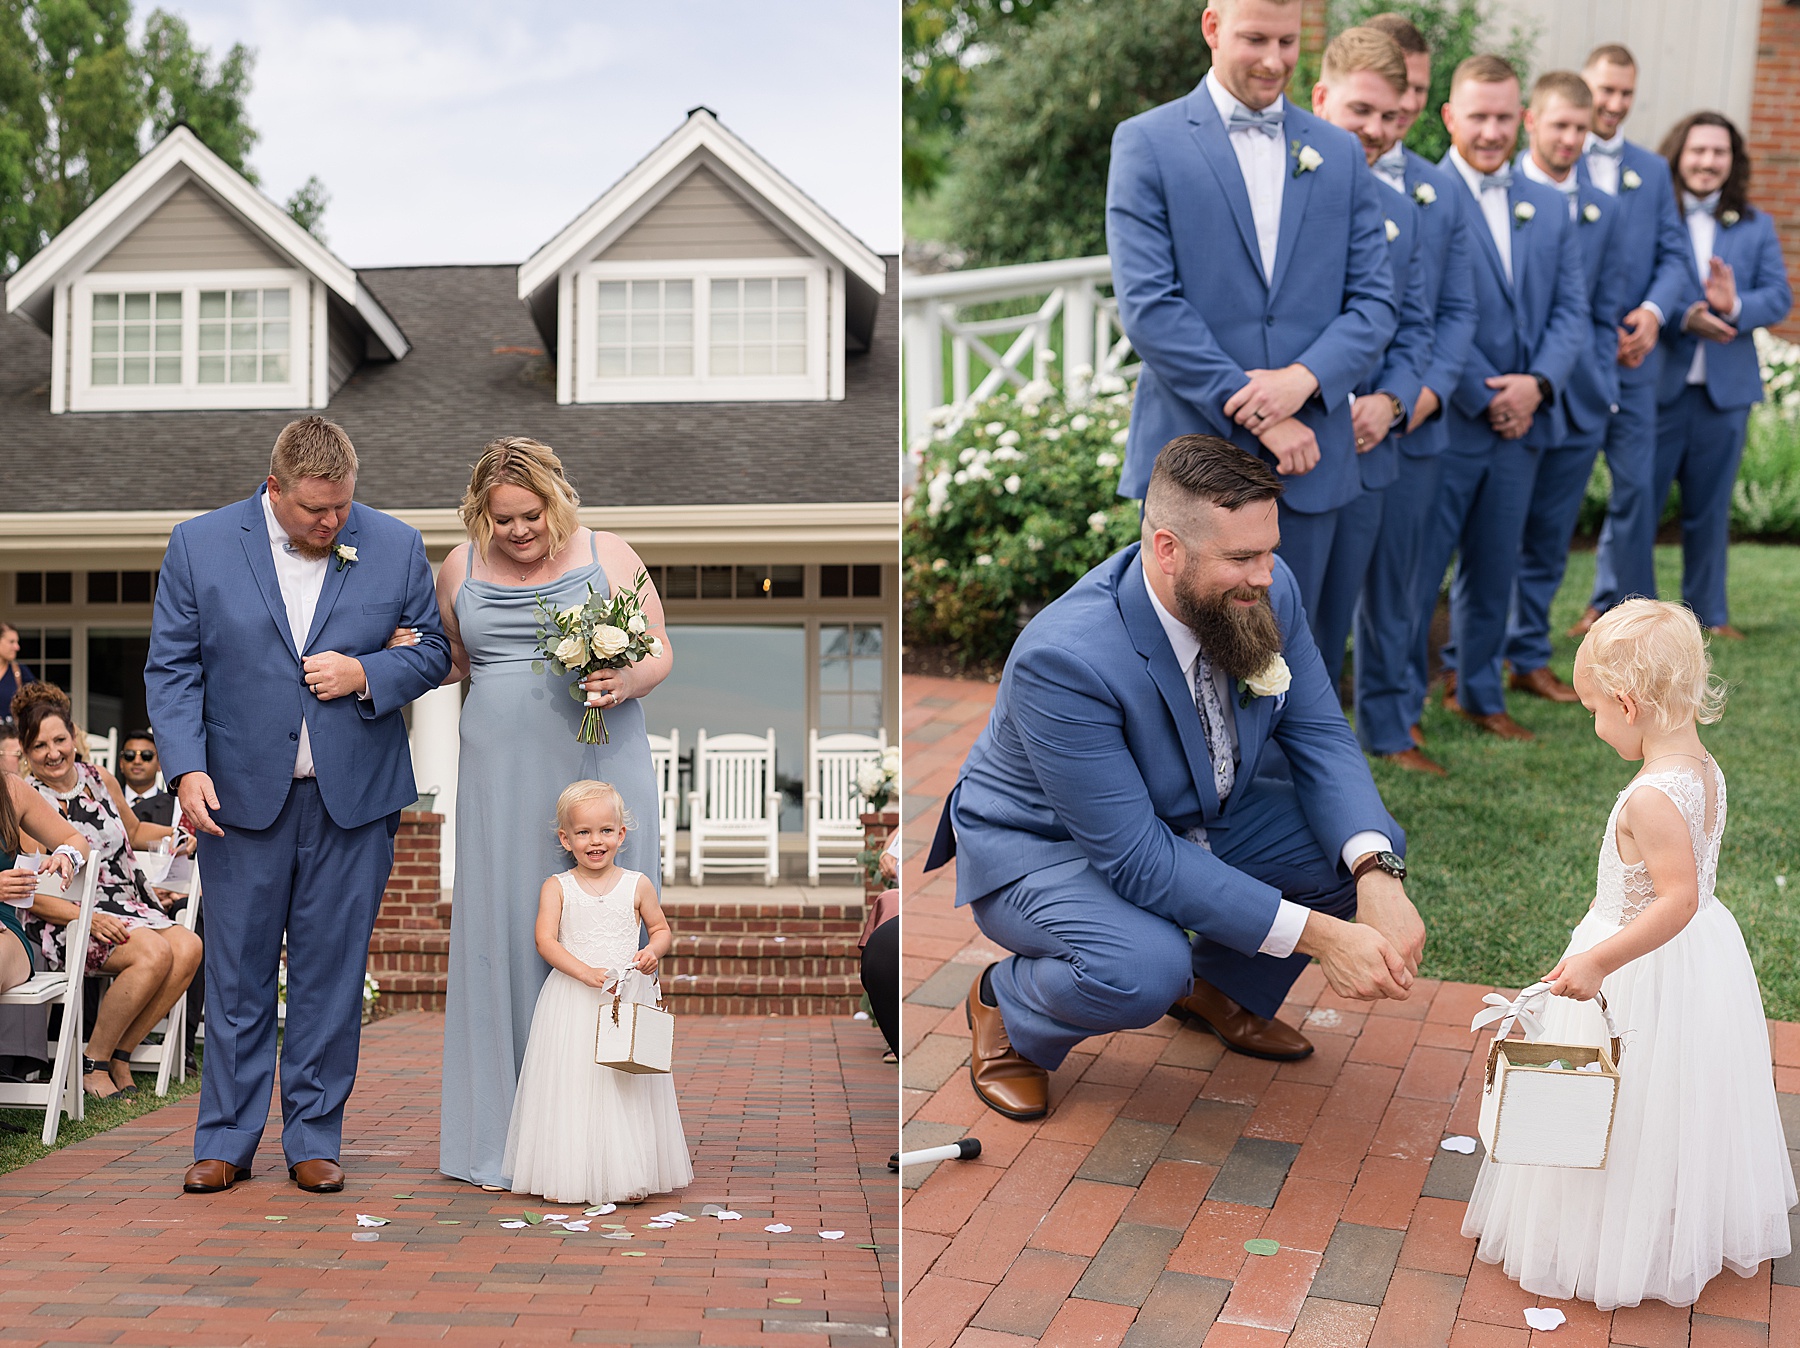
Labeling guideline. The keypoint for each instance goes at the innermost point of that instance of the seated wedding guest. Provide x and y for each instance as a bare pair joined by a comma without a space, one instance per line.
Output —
14,674
1111,824
151,959
1711,377
140,772
11,756
26,816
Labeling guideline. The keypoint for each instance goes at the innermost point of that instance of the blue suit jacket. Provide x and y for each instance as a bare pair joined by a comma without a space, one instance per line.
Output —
1095,750
224,682
1650,249
1409,352
1733,371
1194,302
1536,324
1449,291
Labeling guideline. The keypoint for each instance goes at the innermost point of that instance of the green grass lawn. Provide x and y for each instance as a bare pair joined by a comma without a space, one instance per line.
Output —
17,1149
1503,852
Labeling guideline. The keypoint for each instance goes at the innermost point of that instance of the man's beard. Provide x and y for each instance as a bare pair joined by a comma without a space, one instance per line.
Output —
307,549
1239,640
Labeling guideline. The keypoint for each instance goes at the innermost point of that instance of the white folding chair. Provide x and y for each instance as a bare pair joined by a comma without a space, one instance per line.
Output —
62,1093
734,810
665,761
169,1056
834,803
103,750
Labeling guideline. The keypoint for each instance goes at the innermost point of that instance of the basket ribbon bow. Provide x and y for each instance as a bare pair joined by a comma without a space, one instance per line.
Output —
1520,1008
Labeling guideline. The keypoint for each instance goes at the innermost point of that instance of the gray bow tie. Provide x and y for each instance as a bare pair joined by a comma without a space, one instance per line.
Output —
1693,205
1613,152
1500,178
1267,122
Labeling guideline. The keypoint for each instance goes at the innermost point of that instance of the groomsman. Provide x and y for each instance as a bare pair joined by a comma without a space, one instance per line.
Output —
1532,325
1557,124
1361,82
1651,249
1250,262
1389,623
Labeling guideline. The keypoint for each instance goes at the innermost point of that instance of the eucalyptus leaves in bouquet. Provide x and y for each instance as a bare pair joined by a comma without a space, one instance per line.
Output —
1017,500
602,632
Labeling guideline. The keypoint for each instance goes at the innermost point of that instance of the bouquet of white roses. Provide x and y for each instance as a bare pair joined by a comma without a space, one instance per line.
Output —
599,633
876,782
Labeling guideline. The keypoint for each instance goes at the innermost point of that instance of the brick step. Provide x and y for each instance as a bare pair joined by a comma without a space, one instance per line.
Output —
824,966
762,994
702,924
755,945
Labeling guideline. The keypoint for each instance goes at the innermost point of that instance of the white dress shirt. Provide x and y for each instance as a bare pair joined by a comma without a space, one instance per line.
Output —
301,579
1290,918
1703,232
1603,169
132,797
1495,209
1390,168
1570,186
1263,161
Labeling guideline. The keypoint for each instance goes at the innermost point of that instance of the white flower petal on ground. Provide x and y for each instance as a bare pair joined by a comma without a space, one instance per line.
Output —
779,1228
1544,1317
581,1225
729,1216
364,1219
600,1210
658,1226
1465,1145
831,1235
514,1226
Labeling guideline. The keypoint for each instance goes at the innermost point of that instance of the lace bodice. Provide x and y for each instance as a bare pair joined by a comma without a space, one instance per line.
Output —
1623,892
601,930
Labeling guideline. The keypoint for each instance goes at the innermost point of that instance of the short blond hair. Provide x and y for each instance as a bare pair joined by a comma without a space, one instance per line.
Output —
1483,68
520,461
580,793
1563,84
1357,49
1655,652
312,447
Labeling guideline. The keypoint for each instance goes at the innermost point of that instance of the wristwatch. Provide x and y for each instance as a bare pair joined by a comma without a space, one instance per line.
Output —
1391,862
1546,390
1399,409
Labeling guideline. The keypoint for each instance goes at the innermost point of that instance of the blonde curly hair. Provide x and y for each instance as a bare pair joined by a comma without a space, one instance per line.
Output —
1655,652
580,793
520,461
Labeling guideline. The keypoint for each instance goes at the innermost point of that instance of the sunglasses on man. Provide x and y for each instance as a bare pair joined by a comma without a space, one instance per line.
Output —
136,755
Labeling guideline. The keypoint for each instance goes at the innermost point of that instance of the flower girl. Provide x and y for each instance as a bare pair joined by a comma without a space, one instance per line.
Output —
582,1133
1698,1176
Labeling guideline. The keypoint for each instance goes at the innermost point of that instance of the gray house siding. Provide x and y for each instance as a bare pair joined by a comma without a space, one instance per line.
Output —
191,231
701,217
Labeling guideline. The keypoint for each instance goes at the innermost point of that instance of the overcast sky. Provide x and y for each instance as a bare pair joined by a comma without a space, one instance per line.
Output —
473,130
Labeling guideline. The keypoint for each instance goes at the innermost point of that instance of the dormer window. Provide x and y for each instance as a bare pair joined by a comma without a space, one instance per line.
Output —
137,337
645,330
245,337
759,325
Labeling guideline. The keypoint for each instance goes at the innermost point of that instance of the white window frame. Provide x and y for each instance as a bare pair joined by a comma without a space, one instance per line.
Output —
824,340
190,393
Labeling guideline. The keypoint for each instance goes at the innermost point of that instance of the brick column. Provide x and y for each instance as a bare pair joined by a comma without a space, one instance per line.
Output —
409,954
414,893
1774,135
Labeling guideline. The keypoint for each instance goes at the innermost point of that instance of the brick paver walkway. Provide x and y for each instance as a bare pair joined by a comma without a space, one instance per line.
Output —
791,1120
1122,1217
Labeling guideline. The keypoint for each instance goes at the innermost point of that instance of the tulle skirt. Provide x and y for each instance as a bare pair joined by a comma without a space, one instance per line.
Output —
582,1133
1698,1177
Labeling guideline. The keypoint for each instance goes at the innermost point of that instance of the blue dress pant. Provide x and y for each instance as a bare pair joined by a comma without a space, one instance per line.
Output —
1088,962
1556,498
1480,518
1700,446
1390,622
1341,587
1626,562
1306,542
320,886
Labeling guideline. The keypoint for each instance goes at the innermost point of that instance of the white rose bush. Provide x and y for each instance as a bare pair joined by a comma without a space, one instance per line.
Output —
1015,501
605,632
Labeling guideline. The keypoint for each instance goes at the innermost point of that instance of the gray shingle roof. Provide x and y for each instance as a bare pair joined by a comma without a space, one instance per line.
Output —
418,424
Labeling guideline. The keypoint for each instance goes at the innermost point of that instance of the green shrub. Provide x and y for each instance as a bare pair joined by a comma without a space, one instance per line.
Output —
1016,502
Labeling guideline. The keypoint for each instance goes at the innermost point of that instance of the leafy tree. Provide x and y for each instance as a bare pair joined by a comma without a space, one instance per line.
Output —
307,206
1031,166
180,86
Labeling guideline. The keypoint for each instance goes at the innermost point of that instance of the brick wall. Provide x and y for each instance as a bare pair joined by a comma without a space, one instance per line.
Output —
1774,134
408,954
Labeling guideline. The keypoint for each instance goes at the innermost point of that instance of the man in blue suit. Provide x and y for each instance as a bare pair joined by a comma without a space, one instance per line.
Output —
1390,624
1112,826
1651,250
277,711
1362,79
1250,264
1557,124
1532,323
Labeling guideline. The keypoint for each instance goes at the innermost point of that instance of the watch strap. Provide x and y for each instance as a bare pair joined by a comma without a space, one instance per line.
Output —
1372,862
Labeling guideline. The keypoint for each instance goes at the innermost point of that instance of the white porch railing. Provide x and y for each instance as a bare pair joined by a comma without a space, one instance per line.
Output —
932,314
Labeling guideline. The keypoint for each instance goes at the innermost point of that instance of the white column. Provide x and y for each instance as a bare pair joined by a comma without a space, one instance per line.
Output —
435,744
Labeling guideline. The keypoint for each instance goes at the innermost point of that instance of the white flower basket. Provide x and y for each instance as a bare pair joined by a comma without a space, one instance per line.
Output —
634,1036
1533,1113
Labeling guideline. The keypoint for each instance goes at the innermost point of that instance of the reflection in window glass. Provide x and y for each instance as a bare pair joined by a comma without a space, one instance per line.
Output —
244,337
644,329
758,326
137,338
850,678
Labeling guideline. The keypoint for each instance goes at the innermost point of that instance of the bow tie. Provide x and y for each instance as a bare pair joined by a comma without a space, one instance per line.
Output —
1693,205
1500,178
1614,152
1392,165
1267,122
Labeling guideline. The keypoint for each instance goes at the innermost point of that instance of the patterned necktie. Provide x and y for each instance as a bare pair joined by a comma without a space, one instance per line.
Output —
1212,717
1267,122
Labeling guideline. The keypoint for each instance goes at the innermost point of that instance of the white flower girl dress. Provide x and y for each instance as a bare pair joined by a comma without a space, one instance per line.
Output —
582,1133
1698,1176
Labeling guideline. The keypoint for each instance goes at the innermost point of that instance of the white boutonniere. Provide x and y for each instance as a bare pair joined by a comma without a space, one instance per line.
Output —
1590,213
1306,159
1393,230
1630,181
1729,218
1522,214
1424,194
345,554
1271,680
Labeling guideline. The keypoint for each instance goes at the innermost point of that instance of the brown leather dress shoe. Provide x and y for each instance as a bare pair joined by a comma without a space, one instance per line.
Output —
212,1177
1589,616
1240,1030
1727,631
318,1177
1007,1083
1414,760
1543,683
1495,723
1417,732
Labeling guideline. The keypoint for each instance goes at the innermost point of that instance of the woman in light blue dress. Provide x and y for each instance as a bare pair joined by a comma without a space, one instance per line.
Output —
519,750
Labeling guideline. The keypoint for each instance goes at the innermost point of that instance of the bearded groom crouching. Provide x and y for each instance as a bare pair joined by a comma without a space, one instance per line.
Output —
1167,813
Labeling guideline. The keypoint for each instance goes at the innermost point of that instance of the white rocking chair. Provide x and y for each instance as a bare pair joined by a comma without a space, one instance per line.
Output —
103,750
734,810
62,1093
665,762
834,804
